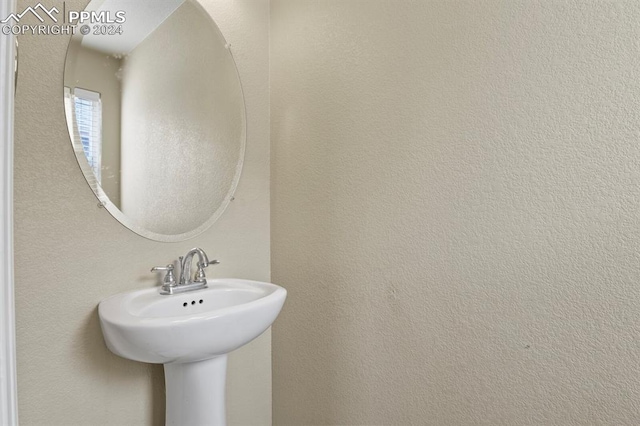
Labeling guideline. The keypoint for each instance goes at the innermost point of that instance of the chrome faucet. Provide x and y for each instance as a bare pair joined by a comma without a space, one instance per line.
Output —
185,266
186,282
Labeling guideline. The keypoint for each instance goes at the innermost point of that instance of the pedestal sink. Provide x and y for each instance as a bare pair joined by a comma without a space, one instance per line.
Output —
191,334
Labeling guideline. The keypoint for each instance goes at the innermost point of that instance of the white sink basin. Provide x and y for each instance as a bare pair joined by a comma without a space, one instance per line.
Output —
148,327
185,330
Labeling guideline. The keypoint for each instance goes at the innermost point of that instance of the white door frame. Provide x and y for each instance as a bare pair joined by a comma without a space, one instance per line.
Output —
8,380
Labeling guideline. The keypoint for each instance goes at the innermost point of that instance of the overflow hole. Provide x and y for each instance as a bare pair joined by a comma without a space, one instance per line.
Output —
184,304
201,300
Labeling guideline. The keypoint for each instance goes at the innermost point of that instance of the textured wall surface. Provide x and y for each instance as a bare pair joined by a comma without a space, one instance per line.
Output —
71,254
455,212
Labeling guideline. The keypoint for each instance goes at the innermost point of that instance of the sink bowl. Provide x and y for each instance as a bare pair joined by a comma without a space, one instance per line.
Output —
148,327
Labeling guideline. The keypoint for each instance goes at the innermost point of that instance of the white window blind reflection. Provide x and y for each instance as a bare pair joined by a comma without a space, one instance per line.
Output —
84,110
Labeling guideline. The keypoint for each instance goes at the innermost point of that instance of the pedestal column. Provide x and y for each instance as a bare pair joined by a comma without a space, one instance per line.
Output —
196,392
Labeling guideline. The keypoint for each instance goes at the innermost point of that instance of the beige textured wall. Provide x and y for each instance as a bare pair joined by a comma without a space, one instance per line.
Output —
71,254
98,72
182,123
455,212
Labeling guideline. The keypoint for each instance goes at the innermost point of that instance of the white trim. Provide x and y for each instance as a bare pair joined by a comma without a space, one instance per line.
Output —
86,94
8,380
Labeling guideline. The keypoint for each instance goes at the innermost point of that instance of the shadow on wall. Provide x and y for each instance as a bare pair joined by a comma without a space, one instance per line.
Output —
107,367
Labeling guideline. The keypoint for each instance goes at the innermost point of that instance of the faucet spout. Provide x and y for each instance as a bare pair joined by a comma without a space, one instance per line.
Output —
185,264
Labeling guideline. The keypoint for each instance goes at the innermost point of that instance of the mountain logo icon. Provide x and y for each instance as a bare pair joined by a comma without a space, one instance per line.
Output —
34,10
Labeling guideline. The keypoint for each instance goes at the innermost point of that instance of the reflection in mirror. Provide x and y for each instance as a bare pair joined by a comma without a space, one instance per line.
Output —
156,116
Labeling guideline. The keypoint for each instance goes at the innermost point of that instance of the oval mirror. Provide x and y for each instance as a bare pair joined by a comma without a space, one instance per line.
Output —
155,114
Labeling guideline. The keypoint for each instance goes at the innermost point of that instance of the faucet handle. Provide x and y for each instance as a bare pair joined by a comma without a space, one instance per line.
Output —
168,268
200,276
169,279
